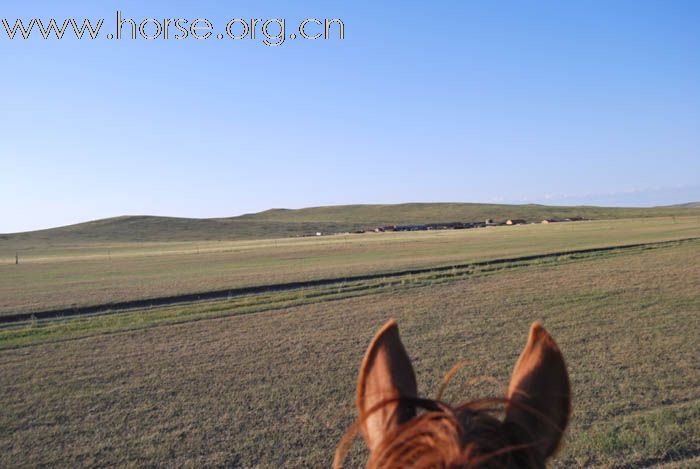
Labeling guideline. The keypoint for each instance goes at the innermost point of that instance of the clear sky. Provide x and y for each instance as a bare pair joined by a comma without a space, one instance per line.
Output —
476,101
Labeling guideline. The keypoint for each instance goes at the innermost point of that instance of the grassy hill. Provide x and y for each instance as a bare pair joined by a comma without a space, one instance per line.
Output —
276,223
687,205
444,212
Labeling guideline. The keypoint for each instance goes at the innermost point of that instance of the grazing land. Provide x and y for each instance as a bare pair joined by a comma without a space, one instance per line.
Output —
68,275
275,388
266,378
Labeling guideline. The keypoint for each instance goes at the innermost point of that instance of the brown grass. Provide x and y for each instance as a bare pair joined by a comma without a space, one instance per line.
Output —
275,389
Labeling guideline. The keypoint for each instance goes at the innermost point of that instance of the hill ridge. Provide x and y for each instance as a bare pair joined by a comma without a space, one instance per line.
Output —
282,222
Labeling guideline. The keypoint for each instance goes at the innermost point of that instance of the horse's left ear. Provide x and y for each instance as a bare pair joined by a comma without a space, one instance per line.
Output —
539,394
386,376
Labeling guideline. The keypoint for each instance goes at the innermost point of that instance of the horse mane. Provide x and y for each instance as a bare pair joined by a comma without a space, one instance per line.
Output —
438,437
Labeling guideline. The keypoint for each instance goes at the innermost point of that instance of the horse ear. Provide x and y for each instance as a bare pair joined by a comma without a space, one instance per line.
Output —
539,393
386,376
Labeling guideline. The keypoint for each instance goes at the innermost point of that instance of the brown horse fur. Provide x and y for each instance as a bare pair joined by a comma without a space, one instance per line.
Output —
537,407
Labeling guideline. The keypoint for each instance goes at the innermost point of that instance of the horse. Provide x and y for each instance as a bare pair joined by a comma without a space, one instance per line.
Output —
521,430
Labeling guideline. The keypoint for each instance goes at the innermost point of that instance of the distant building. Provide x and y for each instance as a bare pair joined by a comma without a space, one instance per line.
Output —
516,221
489,221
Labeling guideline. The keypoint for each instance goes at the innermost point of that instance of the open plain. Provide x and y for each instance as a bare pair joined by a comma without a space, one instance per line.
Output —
267,379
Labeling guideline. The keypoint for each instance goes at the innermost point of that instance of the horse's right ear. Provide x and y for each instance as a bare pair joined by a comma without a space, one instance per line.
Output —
386,376
539,394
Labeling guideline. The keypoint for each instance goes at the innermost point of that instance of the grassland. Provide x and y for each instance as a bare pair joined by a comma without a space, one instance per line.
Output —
274,388
69,275
280,223
66,325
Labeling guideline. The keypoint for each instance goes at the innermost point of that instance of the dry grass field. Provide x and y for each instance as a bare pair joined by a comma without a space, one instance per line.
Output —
67,275
274,388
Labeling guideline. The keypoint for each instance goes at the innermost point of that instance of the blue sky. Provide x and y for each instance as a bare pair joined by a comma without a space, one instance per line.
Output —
476,101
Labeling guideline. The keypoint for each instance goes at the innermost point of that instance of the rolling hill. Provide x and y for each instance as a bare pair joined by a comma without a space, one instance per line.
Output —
687,205
330,219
